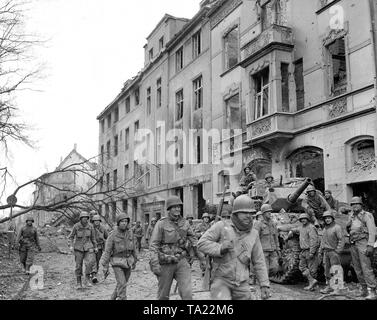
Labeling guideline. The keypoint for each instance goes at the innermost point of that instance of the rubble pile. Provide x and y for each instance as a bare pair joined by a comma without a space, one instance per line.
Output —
364,165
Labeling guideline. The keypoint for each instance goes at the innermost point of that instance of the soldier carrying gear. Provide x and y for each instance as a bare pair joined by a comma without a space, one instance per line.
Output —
247,179
83,237
27,241
169,247
199,231
101,236
332,244
234,245
150,230
309,243
138,233
268,234
362,230
120,252
314,204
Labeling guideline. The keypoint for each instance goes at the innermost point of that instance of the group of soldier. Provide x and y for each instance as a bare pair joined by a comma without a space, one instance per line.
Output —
240,245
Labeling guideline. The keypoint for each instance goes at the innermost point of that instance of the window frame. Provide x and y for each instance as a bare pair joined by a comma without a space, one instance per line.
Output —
179,105
260,94
137,96
128,104
226,64
196,41
179,63
159,93
127,139
161,43
116,142
198,90
149,101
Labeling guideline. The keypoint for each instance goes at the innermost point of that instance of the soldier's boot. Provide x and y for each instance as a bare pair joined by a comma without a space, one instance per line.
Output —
94,277
87,282
363,292
78,283
371,294
312,283
327,289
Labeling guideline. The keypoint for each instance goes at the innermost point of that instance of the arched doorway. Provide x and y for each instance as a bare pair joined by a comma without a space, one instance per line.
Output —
260,167
308,162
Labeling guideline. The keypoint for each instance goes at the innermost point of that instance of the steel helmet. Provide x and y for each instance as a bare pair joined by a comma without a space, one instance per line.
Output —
29,218
189,216
153,219
310,188
173,201
303,216
205,215
247,167
328,213
356,200
121,217
266,208
96,218
243,203
84,215
259,213
268,175
226,210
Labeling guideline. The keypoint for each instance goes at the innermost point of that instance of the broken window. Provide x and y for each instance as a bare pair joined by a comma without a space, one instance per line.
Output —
299,80
128,104
116,141
198,93
338,70
125,206
363,152
179,59
231,48
198,150
196,44
127,139
223,180
149,101
179,105
137,96
159,96
285,87
262,88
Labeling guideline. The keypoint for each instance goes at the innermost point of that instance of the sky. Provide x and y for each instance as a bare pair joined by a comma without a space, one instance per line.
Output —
92,48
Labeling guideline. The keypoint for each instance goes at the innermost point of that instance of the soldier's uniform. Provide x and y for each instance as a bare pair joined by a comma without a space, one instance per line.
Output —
120,252
84,245
315,205
230,271
169,246
28,242
246,179
101,236
149,232
362,230
199,231
138,233
268,234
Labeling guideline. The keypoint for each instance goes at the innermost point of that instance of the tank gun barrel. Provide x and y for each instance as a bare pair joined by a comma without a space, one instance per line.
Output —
292,198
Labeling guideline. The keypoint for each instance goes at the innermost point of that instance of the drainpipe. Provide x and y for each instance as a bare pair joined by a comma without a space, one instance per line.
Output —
373,17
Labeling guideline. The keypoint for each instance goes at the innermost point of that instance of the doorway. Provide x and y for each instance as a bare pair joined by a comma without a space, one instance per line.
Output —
367,191
199,201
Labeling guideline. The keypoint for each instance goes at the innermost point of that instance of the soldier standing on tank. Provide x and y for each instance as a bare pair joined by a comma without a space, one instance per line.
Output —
362,231
148,235
315,204
82,242
309,244
333,203
168,246
101,236
268,234
234,245
120,252
138,233
332,244
247,179
27,241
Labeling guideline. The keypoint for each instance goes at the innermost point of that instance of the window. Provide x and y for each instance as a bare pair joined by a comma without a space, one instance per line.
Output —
285,86
115,177
125,206
116,141
116,114
108,147
108,181
137,96
109,121
338,72
102,152
101,182
179,59
149,102
363,152
127,139
159,98
179,105
126,172
148,151
223,180
107,211
231,48
198,150
161,43
196,44
262,87
234,118
299,80
198,93
100,209
103,126
158,175
150,54
114,210
148,178
128,104
158,155
136,127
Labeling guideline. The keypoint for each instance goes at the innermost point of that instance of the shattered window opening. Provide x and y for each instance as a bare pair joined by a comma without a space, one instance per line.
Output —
337,52
262,88
231,48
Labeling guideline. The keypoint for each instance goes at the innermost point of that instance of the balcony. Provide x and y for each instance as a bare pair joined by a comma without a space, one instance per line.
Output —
275,37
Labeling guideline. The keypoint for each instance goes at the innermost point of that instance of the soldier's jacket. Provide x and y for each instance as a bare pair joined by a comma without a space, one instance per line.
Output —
119,246
201,228
138,231
101,236
171,238
268,234
332,238
362,226
317,204
309,239
84,237
234,264
28,238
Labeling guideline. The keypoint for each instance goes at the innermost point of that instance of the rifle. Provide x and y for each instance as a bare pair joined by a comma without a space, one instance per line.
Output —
207,273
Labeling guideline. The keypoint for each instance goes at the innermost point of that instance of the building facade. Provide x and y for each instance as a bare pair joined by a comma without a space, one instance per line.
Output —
292,83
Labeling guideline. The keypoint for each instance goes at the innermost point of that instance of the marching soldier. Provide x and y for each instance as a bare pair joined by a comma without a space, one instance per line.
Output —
84,246
120,252
332,244
362,231
101,236
234,245
169,246
150,230
268,234
138,233
333,203
314,204
27,241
